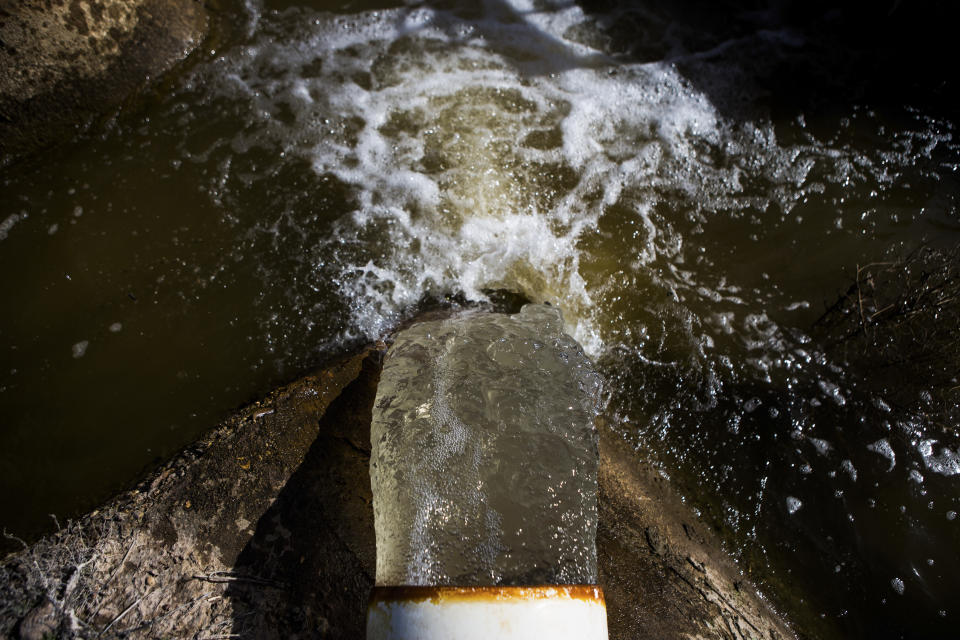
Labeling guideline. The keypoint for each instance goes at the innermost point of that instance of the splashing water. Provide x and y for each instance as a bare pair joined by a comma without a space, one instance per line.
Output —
484,461
513,148
488,150
314,183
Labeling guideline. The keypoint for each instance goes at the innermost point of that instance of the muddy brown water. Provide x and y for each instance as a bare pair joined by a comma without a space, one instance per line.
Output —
692,186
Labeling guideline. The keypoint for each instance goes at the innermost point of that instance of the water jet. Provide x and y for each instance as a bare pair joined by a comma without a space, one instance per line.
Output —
484,477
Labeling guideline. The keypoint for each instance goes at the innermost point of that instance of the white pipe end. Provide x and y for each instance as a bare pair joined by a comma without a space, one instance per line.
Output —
554,612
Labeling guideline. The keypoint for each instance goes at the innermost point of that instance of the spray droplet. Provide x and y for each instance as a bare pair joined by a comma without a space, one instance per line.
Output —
80,348
897,585
793,505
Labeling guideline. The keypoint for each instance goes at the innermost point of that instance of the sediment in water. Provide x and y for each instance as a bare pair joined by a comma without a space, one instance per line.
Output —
264,528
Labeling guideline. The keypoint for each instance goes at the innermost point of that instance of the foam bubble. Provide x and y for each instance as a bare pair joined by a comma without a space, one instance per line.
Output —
897,585
848,467
79,349
883,448
946,462
823,447
8,224
793,505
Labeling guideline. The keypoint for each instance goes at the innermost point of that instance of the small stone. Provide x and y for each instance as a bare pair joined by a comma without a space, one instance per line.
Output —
151,581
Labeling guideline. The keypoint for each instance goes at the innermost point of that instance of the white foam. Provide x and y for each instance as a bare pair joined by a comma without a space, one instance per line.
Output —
851,471
793,505
79,349
897,585
946,462
883,448
8,224
427,116
823,447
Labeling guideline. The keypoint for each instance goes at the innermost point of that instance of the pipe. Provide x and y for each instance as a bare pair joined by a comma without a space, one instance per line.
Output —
483,471
558,612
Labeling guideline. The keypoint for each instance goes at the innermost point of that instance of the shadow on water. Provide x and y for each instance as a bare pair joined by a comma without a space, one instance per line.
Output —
777,59
788,59
537,52
303,557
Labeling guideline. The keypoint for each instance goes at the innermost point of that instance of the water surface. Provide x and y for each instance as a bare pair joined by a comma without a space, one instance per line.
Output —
691,186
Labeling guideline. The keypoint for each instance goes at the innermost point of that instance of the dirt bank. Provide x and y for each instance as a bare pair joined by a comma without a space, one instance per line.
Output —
66,62
264,529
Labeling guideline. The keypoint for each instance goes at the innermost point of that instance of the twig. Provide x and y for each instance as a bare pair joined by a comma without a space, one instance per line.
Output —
74,622
863,320
834,307
123,561
42,576
10,536
116,572
186,605
122,613
229,576
875,264
876,313
72,582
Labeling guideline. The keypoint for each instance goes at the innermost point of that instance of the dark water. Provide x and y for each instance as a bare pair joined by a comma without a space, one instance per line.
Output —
692,185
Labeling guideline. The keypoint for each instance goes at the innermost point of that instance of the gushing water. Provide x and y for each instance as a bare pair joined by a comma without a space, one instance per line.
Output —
312,183
484,463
